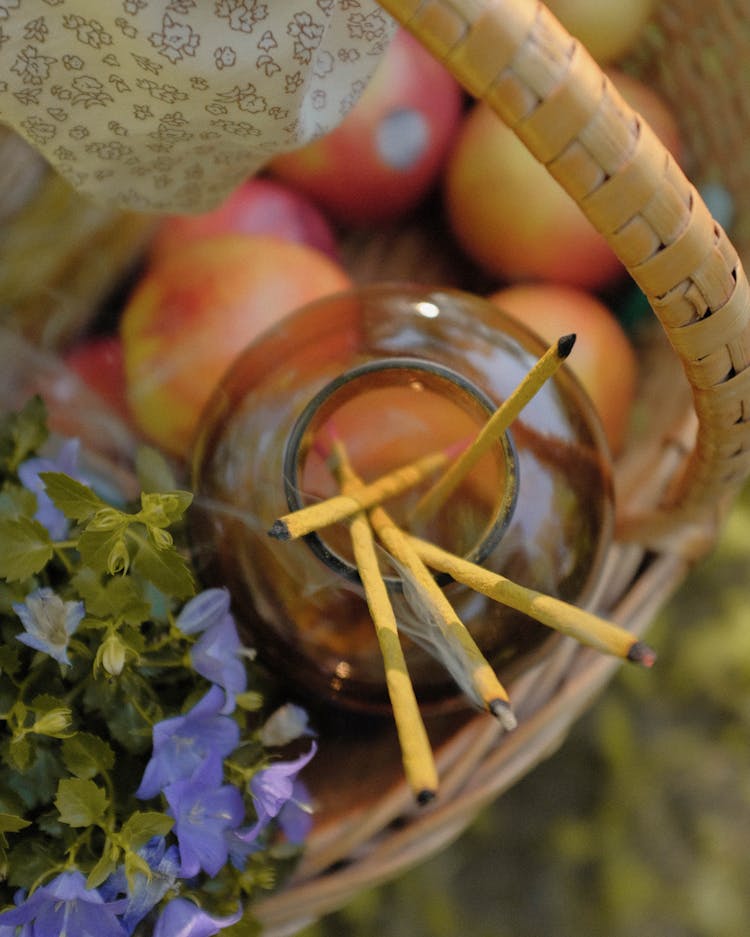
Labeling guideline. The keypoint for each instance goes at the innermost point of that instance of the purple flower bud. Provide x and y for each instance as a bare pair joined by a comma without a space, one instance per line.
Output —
203,610
182,918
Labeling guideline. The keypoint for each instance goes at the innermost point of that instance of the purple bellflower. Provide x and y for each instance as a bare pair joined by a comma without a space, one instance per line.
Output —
203,810
215,656
66,908
66,461
13,930
272,789
182,743
48,622
295,817
183,918
216,653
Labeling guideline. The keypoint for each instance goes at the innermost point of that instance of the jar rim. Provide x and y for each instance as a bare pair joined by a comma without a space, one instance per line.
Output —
292,451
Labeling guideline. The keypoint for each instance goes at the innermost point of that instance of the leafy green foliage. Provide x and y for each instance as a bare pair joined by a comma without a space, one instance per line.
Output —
81,802
111,540
25,548
90,660
86,755
21,434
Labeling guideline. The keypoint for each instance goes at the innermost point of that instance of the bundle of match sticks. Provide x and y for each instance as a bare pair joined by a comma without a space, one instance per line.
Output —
361,504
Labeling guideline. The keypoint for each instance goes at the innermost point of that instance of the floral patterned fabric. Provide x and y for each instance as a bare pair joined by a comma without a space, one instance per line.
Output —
167,105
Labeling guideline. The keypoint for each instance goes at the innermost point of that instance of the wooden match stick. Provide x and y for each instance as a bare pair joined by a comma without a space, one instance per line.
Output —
494,428
584,626
487,689
483,686
340,507
416,752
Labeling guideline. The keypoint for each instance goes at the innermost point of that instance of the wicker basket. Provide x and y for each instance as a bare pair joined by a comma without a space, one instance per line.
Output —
678,477
687,458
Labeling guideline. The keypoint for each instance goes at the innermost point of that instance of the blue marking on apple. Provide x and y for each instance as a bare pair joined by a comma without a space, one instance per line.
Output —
401,138
719,202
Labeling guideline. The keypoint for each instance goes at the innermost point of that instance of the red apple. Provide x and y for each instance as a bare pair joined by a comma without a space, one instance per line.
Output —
194,312
259,206
390,148
603,358
513,219
608,28
99,363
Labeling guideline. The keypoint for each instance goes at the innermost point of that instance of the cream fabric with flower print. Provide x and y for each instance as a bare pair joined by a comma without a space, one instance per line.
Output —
167,105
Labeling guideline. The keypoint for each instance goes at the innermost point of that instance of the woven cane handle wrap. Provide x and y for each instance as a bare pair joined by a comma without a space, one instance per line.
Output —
547,88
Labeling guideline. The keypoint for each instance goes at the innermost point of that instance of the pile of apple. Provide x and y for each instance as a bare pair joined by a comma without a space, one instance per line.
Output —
213,282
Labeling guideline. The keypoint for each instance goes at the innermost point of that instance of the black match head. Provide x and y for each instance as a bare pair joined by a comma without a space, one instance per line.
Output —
565,345
279,531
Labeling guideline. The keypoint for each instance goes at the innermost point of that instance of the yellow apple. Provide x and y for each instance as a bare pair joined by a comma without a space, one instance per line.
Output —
514,220
603,357
608,28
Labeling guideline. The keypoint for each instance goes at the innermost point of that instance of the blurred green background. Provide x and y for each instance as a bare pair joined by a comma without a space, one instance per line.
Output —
640,825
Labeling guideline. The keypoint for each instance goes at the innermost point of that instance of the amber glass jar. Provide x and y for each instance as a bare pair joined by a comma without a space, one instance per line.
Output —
396,371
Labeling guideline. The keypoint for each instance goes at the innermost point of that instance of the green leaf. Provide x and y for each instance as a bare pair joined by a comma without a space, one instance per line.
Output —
80,802
73,498
12,824
122,705
22,433
141,826
86,755
10,658
25,548
135,864
116,599
105,866
45,703
164,508
36,785
96,546
30,859
20,754
17,501
153,471
133,640
166,569
10,802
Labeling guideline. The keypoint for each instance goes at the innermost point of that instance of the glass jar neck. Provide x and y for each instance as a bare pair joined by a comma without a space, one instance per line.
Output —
389,413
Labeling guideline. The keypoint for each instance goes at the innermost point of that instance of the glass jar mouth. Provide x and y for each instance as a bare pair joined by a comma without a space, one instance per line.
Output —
342,388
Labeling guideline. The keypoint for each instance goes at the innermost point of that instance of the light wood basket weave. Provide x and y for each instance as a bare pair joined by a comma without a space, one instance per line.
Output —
678,478
688,456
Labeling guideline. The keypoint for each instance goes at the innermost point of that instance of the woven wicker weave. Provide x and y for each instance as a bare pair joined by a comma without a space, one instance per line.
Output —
675,479
673,486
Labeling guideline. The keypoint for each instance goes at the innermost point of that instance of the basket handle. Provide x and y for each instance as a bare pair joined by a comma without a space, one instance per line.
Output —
543,83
